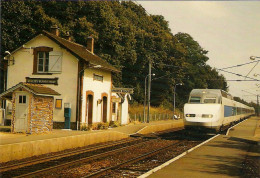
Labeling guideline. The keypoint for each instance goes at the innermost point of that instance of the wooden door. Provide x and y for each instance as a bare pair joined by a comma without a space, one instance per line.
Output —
104,109
89,109
21,110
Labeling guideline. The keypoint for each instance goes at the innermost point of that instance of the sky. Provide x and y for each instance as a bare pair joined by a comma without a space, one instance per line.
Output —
229,30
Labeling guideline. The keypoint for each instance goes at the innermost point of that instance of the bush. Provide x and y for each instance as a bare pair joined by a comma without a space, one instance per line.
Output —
114,124
84,128
94,126
102,126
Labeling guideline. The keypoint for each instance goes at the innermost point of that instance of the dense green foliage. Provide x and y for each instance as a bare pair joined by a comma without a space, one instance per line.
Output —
126,36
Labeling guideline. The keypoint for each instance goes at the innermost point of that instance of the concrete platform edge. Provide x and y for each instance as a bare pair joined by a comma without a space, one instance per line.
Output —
235,126
22,150
16,151
176,158
160,127
257,131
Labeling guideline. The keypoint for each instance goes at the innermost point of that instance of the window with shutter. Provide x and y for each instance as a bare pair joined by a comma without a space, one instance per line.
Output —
47,61
55,62
41,60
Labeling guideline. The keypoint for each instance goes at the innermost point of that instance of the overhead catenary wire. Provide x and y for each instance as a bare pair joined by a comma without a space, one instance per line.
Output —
252,69
238,74
239,65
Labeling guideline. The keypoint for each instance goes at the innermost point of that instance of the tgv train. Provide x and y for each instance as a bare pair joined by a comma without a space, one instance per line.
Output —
213,110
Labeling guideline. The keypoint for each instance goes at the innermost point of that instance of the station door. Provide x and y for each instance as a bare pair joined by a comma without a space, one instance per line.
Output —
21,110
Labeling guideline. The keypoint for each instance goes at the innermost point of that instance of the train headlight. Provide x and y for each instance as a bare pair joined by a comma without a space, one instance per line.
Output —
207,115
190,115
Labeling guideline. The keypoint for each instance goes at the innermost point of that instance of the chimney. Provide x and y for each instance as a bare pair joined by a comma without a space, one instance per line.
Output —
55,30
90,44
67,36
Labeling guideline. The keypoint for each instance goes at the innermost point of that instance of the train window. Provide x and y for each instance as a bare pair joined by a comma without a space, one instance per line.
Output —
194,99
234,111
210,100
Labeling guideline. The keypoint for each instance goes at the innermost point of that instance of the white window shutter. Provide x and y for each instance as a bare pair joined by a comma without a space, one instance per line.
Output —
55,61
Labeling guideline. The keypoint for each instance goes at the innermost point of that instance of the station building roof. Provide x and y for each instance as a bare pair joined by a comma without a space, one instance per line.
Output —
36,89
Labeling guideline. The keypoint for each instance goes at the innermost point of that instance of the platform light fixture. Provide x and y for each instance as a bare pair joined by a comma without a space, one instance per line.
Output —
10,58
253,57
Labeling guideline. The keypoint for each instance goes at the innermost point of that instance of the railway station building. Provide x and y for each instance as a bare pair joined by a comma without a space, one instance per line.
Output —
82,80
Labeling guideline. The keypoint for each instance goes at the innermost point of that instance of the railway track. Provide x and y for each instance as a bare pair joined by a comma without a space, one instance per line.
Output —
133,160
25,168
136,162
138,165
51,166
60,155
21,164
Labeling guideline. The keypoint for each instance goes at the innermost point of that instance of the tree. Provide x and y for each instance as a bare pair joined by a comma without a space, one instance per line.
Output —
125,36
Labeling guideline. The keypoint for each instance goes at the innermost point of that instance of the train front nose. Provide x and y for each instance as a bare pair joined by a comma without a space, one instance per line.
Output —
204,115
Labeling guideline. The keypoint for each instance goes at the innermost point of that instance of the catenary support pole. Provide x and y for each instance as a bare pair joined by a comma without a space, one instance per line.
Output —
257,109
149,90
145,97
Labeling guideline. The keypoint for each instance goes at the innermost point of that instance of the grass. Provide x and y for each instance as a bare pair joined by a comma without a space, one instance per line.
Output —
136,112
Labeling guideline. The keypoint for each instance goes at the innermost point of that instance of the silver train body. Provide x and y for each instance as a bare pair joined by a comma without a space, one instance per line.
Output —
213,109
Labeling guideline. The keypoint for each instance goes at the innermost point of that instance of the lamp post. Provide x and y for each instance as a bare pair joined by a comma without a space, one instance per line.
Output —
174,97
253,58
145,93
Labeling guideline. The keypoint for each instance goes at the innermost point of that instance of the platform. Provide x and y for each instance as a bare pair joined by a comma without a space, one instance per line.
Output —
19,146
223,156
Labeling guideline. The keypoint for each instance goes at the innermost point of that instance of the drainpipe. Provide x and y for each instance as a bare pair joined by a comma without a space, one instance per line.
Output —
79,93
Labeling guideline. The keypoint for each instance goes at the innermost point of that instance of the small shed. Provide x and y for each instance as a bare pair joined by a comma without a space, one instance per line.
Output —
119,98
32,107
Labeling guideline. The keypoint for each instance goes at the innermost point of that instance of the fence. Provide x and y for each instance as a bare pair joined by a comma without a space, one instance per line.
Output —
153,117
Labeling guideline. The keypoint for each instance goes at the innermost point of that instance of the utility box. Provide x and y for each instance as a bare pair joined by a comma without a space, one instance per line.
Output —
67,115
67,112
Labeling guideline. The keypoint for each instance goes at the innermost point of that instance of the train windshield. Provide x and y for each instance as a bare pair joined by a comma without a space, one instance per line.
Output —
204,99
205,96
194,99
210,100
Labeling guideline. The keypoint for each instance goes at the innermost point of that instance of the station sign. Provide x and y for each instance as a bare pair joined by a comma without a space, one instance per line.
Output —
50,81
123,90
117,100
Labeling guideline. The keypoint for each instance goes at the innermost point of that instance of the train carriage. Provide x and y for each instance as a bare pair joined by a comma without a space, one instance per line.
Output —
213,110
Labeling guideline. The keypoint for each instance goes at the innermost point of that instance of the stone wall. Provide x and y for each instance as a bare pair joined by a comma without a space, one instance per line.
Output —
41,113
13,112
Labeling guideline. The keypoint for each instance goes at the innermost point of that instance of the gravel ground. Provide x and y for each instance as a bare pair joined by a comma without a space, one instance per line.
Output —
96,165
137,168
251,165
